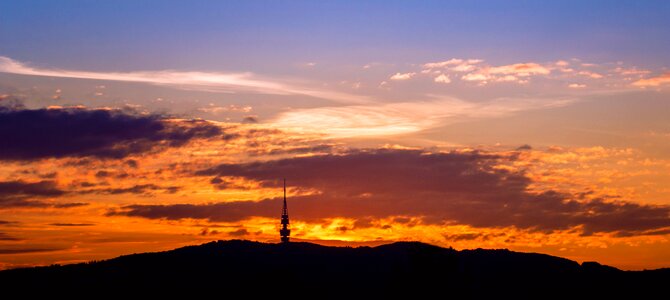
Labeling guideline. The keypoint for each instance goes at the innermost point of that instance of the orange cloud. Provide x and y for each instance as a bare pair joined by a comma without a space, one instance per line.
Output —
653,81
522,69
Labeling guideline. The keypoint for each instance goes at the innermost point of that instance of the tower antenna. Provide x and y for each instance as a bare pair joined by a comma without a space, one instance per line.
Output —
285,230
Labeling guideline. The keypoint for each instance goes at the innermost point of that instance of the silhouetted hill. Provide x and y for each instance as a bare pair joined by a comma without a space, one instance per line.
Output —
303,270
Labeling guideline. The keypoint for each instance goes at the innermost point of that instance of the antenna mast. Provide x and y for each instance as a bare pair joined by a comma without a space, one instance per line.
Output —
285,230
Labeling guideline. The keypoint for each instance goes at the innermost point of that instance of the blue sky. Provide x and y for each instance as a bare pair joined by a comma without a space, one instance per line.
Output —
448,69
268,36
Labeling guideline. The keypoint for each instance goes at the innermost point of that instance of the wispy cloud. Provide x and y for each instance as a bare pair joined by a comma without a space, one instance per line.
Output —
404,117
191,80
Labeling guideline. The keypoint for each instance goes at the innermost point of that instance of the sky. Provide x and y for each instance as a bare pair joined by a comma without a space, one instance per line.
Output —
134,126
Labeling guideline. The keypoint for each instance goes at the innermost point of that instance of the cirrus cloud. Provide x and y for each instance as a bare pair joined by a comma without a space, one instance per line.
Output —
190,80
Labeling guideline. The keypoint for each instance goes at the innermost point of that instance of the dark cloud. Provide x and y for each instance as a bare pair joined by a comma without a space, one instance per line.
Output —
136,189
462,237
221,184
216,212
22,194
464,188
18,193
51,175
44,133
239,233
69,204
471,236
206,231
649,232
132,163
320,148
86,184
11,102
524,147
6,237
26,250
139,189
21,188
71,224
250,120
102,174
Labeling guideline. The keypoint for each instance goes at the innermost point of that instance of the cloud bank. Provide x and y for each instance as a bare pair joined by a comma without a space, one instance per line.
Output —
439,188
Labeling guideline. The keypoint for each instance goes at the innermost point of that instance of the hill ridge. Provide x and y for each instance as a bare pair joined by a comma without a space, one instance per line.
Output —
389,269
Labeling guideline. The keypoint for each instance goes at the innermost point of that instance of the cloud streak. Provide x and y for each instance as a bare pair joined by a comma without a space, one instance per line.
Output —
404,117
190,80
20,193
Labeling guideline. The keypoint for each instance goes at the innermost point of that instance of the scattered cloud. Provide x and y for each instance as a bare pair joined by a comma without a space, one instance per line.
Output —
215,109
475,77
142,189
576,85
454,64
442,79
521,70
631,71
402,76
562,63
593,75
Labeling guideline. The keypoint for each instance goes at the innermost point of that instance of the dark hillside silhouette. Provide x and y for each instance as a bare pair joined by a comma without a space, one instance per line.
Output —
305,270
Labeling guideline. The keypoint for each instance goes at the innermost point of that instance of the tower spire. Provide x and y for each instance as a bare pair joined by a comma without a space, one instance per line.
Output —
285,231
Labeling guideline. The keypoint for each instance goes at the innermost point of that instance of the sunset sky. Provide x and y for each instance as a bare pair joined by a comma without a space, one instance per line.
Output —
135,126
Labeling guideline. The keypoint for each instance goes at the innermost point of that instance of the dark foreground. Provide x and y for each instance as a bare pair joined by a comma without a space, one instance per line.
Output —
224,269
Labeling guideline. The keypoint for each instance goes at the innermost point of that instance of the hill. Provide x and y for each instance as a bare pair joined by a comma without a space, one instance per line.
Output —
301,270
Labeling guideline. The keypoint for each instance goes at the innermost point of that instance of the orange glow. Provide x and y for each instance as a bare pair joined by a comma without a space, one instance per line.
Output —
35,236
